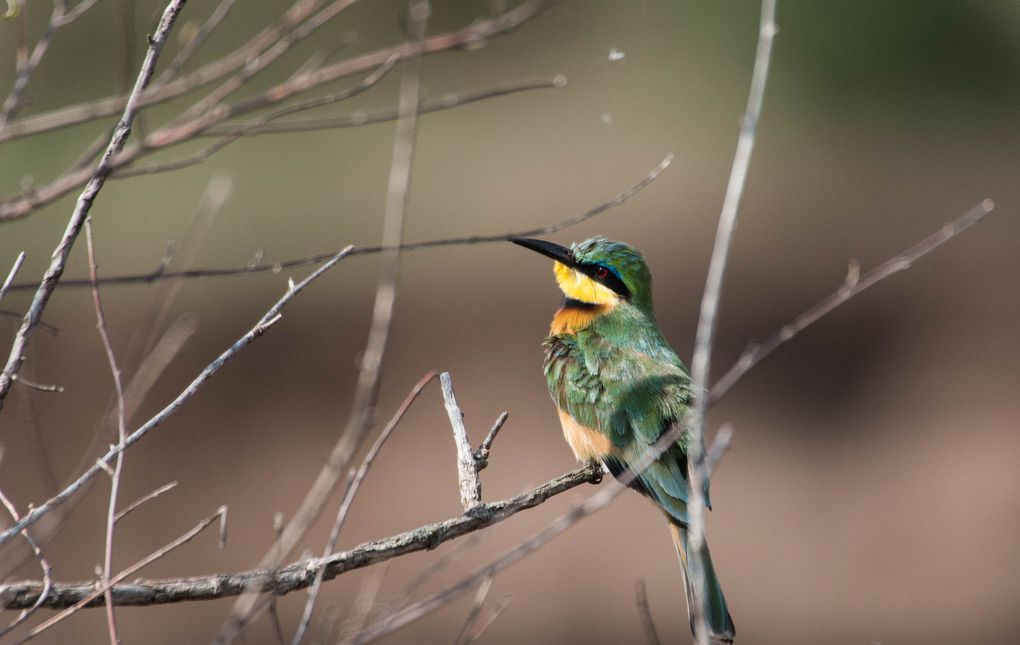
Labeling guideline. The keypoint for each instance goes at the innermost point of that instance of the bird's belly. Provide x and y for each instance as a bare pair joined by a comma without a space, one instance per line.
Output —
586,443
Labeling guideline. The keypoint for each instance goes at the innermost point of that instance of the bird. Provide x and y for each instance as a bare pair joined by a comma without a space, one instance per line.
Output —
618,386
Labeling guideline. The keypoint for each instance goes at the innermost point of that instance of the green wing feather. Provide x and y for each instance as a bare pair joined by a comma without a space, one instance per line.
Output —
630,396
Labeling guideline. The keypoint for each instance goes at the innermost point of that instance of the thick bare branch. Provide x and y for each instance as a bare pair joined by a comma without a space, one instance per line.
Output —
301,574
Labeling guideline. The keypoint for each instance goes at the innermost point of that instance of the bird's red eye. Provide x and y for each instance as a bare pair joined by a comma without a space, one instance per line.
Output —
601,272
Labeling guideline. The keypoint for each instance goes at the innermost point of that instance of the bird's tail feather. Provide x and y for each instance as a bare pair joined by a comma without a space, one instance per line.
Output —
714,606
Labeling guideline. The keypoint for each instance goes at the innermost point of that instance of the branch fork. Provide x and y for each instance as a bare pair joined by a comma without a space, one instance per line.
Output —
469,462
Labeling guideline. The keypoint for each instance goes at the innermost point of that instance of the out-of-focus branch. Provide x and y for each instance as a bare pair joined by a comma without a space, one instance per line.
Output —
85,200
366,388
301,574
47,571
270,318
275,267
353,486
20,595
645,611
474,33
267,124
18,261
95,593
707,321
356,119
60,17
853,285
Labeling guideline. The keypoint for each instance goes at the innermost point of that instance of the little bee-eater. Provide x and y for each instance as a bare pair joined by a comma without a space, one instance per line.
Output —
618,387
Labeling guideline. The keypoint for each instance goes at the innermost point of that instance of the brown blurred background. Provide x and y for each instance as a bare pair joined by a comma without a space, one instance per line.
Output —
872,494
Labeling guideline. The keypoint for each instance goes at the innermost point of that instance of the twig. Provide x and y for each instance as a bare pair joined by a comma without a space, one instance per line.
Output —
58,18
276,267
18,261
354,484
260,327
99,592
366,388
47,572
647,622
476,32
484,623
481,455
143,499
364,602
438,564
111,509
39,387
44,327
362,118
467,466
301,574
851,287
189,49
722,442
256,125
599,500
475,611
560,525
707,321
85,200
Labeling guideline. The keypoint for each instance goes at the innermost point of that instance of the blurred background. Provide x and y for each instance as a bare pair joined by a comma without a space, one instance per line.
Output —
872,493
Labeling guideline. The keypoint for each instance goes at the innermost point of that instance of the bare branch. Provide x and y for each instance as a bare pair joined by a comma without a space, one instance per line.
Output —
256,125
361,118
647,622
85,200
482,454
476,32
364,602
301,574
853,286
276,267
366,388
18,261
467,466
707,320
47,571
272,315
722,442
98,593
58,18
111,509
353,486
474,612
199,39
143,499
39,387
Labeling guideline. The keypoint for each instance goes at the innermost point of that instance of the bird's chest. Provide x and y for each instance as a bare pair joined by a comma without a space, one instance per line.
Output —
576,388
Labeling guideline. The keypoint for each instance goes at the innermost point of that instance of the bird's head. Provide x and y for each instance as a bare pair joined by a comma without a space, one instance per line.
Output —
598,271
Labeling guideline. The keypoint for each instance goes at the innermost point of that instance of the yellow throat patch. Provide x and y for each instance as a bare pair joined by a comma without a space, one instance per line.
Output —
578,286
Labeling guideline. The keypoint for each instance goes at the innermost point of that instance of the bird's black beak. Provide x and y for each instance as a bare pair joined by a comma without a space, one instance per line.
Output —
549,249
